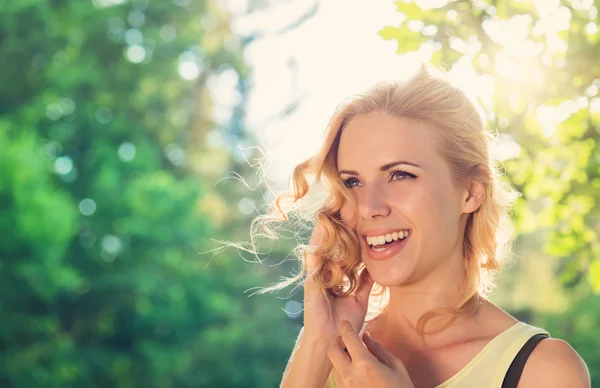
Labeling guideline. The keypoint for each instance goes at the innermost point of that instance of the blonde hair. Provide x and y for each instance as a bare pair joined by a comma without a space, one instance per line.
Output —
458,131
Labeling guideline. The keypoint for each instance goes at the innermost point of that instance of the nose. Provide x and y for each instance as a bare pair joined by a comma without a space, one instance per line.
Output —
372,203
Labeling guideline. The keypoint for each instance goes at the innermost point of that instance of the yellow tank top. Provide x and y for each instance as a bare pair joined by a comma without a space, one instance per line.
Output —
488,368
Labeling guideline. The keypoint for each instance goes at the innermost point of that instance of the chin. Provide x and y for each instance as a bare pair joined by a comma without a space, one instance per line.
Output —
388,277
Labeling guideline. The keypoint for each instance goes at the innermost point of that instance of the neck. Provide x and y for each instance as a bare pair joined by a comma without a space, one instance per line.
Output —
409,302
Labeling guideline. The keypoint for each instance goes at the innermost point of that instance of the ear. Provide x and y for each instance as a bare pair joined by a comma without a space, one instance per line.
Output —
474,192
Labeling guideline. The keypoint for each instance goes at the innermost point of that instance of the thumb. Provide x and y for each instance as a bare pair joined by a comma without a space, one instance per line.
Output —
383,355
364,287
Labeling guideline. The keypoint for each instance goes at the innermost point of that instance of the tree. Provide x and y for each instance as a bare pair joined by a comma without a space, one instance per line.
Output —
106,191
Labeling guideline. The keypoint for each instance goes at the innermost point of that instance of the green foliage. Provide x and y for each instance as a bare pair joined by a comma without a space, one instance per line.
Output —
103,214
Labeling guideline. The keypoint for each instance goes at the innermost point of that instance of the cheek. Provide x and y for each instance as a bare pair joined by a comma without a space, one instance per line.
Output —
348,215
434,208
420,204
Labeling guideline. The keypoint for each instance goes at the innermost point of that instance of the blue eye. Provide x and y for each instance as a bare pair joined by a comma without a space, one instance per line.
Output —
351,182
400,175
397,175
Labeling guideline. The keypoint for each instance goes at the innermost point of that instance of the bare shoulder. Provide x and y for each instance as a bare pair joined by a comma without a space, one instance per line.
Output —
554,363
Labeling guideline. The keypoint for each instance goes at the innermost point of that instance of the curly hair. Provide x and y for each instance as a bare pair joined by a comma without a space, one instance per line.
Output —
318,193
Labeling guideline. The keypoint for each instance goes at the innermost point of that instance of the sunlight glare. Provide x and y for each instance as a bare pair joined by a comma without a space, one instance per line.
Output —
136,53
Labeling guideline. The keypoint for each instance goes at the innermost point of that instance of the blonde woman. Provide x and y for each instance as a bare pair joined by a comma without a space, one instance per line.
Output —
411,231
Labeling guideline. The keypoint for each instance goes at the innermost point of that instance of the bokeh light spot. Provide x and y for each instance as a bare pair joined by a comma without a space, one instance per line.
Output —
591,91
140,5
591,28
223,87
107,3
70,176
133,36
182,3
111,244
127,152
247,206
136,53
168,33
87,207
54,111
115,24
175,154
582,102
293,309
189,70
63,165
52,149
67,105
430,30
103,115
415,25
136,18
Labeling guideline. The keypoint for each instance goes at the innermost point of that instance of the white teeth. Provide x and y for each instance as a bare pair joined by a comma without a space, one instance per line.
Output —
379,240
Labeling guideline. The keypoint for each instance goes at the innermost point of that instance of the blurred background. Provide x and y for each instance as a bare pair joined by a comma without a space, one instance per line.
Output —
126,124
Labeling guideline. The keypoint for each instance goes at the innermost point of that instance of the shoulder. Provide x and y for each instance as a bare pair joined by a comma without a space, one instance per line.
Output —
554,363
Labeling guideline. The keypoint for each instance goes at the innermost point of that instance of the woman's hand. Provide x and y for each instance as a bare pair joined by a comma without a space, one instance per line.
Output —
370,366
318,322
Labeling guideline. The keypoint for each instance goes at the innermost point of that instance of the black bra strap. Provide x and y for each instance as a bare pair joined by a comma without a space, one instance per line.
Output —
516,367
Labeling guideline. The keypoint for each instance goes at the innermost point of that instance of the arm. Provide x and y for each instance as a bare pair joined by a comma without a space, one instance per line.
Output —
308,366
552,364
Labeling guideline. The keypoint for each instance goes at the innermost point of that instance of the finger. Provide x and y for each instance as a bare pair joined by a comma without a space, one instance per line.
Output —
365,286
355,346
337,379
339,359
382,354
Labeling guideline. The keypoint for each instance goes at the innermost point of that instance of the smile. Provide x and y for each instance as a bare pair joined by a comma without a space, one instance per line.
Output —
387,238
384,246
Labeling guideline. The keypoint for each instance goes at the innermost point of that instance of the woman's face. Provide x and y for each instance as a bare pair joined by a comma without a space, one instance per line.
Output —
401,186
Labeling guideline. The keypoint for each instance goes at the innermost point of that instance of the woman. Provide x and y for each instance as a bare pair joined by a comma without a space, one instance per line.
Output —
414,205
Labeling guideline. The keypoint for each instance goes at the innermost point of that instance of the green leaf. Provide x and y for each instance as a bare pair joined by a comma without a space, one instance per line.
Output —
594,275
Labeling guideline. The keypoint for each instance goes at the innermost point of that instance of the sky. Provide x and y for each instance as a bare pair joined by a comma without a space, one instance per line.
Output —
338,52
335,53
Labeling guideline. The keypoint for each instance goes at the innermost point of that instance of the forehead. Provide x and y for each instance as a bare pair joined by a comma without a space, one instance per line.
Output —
379,138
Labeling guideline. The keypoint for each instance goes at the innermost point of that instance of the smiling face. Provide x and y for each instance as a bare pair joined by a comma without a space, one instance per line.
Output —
401,185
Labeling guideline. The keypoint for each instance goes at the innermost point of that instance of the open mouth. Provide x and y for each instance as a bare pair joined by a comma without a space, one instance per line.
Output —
383,242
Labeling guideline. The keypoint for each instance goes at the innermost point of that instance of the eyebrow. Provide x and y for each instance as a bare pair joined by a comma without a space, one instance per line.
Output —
385,167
